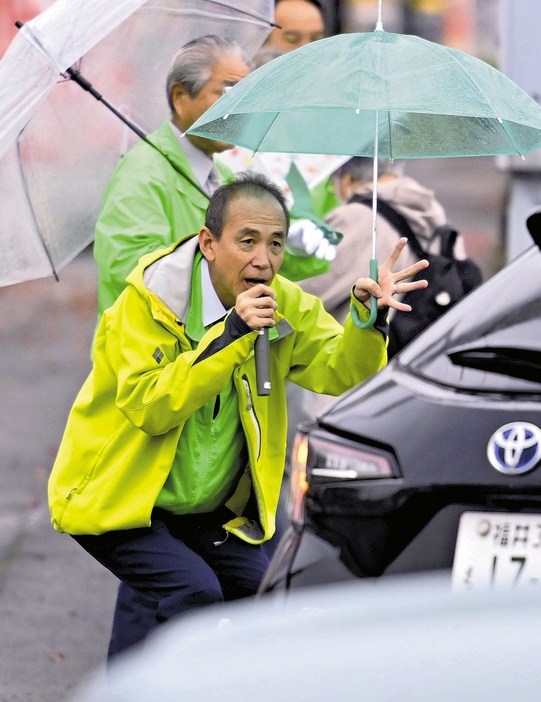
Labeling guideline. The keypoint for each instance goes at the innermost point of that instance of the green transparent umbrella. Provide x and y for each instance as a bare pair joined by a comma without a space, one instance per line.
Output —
427,100
376,94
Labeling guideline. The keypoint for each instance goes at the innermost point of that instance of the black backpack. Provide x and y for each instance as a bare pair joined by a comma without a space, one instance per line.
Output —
449,279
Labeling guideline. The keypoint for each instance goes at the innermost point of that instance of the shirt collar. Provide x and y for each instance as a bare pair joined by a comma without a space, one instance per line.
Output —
200,163
213,309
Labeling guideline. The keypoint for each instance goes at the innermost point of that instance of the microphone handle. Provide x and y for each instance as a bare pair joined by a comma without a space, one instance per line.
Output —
262,367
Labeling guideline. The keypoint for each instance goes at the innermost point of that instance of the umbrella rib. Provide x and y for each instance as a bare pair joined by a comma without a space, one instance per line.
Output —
390,135
267,131
500,122
244,12
34,218
211,15
484,94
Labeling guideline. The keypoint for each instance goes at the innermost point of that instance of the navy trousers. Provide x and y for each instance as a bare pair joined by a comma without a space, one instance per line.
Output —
178,564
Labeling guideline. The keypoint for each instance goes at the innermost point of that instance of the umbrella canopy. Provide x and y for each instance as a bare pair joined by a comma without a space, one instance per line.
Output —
426,100
376,94
58,146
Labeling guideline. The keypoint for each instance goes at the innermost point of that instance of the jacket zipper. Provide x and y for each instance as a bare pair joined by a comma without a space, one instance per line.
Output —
252,414
257,427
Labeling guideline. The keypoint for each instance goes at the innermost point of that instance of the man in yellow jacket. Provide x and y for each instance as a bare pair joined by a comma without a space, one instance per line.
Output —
170,467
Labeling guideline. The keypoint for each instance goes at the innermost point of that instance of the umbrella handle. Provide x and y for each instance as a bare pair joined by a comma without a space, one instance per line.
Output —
373,301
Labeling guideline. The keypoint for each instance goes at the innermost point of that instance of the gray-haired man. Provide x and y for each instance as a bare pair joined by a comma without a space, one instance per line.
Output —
148,204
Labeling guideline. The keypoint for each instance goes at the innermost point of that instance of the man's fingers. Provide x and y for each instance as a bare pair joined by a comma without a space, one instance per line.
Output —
395,253
364,288
257,306
259,290
402,288
411,270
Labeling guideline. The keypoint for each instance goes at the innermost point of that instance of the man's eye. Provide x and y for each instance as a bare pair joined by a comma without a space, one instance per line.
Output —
248,242
277,244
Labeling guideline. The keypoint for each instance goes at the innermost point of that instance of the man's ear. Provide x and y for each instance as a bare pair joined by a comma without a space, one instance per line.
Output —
178,93
207,241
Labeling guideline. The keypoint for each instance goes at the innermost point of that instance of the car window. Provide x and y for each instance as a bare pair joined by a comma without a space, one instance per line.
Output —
491,340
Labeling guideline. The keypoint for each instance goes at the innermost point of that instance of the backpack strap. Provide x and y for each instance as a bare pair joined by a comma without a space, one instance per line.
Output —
446,234
396,220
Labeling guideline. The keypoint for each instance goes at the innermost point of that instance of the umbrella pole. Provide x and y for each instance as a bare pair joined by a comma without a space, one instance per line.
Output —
373,260
86,85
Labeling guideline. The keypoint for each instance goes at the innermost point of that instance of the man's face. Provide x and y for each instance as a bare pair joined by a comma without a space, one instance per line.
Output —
226,73
251,248
300,22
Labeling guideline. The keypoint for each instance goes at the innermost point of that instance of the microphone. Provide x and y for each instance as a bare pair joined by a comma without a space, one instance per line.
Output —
262,367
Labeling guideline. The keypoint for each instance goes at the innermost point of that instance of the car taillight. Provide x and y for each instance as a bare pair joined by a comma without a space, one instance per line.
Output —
345,460
298,485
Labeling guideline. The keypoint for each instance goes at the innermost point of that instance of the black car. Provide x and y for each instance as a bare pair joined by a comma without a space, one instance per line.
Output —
435,462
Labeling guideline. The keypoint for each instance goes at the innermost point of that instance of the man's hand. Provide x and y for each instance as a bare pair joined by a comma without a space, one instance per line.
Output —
305,239
389,283
256,306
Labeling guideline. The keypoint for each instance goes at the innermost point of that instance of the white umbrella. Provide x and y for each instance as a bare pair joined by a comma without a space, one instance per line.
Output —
58,146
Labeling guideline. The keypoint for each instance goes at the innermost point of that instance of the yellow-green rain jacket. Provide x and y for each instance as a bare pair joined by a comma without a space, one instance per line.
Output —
123,430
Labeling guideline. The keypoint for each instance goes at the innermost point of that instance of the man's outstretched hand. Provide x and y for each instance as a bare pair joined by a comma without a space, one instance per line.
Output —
390,283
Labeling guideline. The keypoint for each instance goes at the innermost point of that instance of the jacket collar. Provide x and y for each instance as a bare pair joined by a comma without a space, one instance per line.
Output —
157,270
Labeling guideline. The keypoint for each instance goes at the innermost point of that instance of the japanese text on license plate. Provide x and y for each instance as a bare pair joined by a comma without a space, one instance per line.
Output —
497,550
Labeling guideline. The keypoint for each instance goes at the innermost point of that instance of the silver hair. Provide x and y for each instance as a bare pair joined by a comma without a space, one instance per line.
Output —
192,66
361,168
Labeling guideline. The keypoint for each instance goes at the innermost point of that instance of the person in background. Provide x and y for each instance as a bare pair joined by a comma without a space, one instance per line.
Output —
416,203
409,198
170,467
148,204
299,22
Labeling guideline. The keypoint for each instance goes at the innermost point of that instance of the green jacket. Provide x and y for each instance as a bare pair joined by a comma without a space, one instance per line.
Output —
123,430
149,206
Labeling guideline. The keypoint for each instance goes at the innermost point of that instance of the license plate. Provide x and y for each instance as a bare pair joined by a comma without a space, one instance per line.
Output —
497,550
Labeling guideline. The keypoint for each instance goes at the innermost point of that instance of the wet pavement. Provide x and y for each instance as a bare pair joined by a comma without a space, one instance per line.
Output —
56,603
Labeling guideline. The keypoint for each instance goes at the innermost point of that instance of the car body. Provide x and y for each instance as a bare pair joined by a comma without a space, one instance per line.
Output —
409,639
448,435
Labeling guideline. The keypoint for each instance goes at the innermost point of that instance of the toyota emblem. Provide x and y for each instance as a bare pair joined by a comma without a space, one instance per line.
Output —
515,448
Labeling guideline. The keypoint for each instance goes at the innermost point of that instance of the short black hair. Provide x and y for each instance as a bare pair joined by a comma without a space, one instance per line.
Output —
248,183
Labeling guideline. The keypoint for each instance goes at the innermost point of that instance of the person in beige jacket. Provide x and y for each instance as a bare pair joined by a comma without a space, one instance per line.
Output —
417,204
